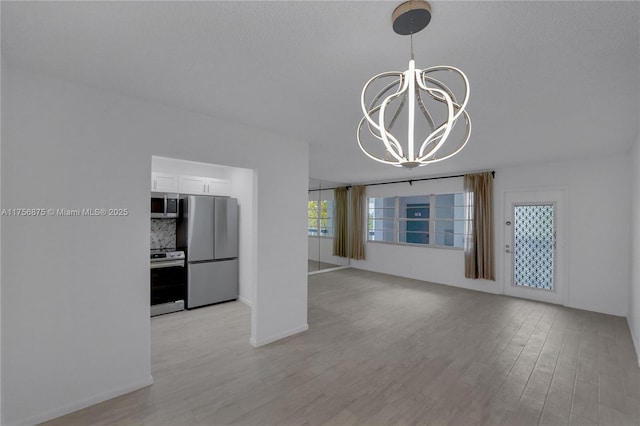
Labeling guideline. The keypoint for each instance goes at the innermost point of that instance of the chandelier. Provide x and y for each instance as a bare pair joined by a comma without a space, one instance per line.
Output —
431,90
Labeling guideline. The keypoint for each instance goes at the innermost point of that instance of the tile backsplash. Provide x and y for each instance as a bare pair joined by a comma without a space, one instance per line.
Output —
163,233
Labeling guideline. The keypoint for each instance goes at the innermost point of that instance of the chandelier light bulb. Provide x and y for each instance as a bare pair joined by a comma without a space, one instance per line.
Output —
411,88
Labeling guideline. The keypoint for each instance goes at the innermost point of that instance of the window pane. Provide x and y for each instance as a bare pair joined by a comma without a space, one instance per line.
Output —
459,226
382,207
312,218
381,236
444,212
414,237
414,207
444,226
448,239
413,231
380,213
443,239
326,216
382,203
413,227
381,224
450,212
416,199
320,217
416,211
445,200
381,230
381,219
326,232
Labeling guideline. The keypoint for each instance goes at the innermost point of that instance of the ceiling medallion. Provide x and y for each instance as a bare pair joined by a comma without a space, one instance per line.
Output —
414,87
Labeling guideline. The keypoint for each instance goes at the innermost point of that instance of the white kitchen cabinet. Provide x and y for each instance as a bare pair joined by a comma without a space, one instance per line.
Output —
193,185
164,182
198,185
219,187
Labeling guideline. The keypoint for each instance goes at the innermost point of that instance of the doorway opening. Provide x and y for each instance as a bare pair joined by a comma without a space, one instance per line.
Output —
182,178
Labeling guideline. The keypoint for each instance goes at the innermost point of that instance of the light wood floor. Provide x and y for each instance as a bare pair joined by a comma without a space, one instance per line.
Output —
386,350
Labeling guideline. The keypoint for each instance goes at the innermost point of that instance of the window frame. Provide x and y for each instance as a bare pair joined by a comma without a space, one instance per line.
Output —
432,221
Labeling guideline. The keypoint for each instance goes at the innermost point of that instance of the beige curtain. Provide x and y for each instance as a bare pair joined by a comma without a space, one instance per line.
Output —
358,224
340,239
479,259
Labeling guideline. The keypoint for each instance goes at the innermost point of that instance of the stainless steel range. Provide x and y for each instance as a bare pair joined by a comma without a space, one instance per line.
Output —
168,281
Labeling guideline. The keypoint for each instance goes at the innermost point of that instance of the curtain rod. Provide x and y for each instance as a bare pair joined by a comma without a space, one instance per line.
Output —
409,181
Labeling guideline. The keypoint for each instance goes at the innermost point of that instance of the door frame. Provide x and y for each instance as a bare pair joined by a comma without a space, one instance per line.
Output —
559,197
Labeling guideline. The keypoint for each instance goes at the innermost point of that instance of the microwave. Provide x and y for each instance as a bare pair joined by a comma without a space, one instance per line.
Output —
164,206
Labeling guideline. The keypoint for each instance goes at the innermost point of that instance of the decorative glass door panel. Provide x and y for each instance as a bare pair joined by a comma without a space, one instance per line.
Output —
534,246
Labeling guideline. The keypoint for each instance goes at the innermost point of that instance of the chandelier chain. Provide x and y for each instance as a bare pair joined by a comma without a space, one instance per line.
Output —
411,45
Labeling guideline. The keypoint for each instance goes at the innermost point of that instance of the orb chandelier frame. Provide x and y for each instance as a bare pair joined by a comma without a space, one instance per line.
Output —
410,86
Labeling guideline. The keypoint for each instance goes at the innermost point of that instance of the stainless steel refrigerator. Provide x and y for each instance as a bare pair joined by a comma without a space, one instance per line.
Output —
208,232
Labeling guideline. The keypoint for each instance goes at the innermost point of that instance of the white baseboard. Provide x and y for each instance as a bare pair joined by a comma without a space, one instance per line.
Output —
635,339
321,271
597,310
244,300
87,402
262,342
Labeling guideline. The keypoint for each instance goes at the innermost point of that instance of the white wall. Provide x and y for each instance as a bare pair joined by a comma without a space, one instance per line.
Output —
243,182
321,248
597,244
75,290
634,283
2,136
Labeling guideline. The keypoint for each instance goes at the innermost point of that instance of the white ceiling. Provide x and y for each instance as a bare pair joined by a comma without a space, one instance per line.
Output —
549,80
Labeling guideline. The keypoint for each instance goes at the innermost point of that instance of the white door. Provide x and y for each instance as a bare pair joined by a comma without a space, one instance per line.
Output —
534,245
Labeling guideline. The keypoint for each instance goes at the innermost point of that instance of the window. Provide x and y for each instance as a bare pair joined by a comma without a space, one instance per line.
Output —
381,219
413,220
320,218
450,220
428,220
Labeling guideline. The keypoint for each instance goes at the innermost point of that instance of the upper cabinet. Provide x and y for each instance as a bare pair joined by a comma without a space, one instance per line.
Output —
218,187
193,185
164,182
198,185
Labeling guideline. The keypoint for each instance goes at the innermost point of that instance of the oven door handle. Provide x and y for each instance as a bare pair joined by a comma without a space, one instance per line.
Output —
170,264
